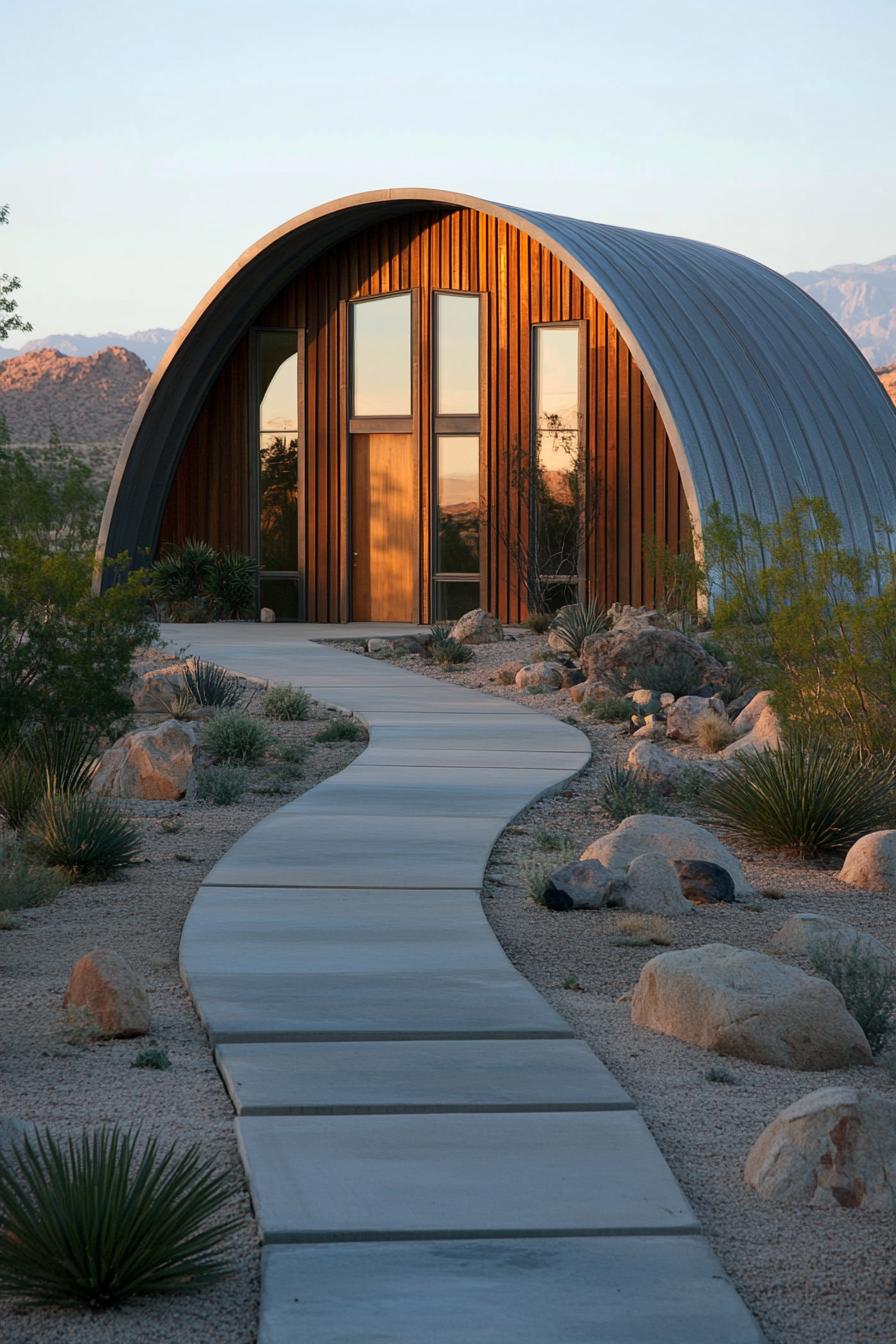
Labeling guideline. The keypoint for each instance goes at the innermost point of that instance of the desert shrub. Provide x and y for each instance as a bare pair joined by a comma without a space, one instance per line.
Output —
235,738
643,929
445,650
50,758
866,981
222,785
539,622
183,573
287,703
536,872
676,674
690,783
23,882
712,732
212,686
807,796
232,588
91,1220
194,580
575,622
151,1059
622,793
293,753
82,836
612,709
341,730
20,789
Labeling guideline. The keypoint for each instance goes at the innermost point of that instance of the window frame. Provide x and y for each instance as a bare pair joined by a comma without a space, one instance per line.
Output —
581,324
254,492
384,424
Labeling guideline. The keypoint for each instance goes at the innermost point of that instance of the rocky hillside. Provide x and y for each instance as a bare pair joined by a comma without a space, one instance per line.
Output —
89,399
863,300
888,378
150,345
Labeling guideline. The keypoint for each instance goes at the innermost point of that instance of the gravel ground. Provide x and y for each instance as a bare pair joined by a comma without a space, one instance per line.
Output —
45,1078
811,1276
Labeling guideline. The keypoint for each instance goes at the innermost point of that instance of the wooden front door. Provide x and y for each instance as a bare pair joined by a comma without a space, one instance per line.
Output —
385,527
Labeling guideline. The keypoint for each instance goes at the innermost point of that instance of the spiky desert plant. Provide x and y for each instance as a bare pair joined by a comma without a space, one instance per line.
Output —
183,573
82,837
574,623
52,758
20,789
235,738
866,980
93,1220
623,793
444,649
232,587
807,796
212,686
287,703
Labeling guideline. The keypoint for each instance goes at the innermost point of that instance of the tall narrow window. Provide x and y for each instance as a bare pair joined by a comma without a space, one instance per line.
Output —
558,467
381,356
278,471
456,437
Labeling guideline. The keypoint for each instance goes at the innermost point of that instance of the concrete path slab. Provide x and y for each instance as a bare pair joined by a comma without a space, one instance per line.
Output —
352,1177
349,1077
402,1086
559,1290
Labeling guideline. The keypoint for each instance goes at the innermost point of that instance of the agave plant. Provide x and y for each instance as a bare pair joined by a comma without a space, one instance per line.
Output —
184,573
574,623
210,685
445,649
82,836
92,1220
806,795
52,758
232,587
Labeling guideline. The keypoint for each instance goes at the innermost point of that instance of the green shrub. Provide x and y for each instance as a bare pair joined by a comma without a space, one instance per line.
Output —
90,1220
539,622
234,737
233,586
287,703
612,709
82,836
445,650
151,1059
222,785
690,783
341,730
194,581
183,573
51,758
806,796
623,794
676,674
866,981
212,686
536,873
23,882
575,622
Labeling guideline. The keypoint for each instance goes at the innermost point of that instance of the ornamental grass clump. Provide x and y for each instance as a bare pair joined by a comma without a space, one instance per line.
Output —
340,730
23,882
866,980
574,623
287,703
91,1220
234,738
445,650
623,793
807,796
222,785
712,733
211,686
612,709
539,622
82,837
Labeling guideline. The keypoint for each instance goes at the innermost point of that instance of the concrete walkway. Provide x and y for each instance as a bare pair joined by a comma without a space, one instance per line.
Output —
433,1159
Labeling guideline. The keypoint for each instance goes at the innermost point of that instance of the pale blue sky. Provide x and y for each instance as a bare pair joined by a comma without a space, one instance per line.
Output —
144,145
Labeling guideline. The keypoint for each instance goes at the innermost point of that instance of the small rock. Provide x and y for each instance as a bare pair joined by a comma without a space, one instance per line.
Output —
683,719
746,1004
646,702
704,883
740,703
797,934
548,675
653,729
267,615
675,837
506,673
654,764
749,714
104,983
156,687
652,887
478,627
624,617
666,699
765,735
871,862
394,644
151,762
578,886
834,1148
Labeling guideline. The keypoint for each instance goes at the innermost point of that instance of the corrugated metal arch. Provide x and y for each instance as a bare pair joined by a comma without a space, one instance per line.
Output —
763,395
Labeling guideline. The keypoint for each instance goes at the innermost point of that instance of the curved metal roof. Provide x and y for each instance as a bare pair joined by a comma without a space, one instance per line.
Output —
763,395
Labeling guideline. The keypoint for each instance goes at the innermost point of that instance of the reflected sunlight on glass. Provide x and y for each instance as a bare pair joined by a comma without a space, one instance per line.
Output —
381,356
457,354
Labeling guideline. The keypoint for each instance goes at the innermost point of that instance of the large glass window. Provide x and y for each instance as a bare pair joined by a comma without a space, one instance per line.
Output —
558,466
278,469
457,526
457,354
381,356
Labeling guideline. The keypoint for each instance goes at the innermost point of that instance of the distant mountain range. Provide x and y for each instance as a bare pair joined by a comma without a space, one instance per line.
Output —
863,300
149,345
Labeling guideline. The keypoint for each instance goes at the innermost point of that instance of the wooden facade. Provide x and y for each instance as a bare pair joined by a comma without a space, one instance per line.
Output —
633,485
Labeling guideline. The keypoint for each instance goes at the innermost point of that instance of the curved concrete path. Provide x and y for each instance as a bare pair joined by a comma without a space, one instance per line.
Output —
433,1159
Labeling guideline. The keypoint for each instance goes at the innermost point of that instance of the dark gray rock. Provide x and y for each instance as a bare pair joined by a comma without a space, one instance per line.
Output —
703,882
584,884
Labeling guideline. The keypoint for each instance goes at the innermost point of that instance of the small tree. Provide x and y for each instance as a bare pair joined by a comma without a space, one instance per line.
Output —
10,319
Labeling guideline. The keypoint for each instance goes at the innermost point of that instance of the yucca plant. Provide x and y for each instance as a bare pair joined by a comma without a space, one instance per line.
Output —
446,650
20,789
623,793
93,1220
183,573
574,623
232,587
55,758
82,837
210,685
807,796
287,703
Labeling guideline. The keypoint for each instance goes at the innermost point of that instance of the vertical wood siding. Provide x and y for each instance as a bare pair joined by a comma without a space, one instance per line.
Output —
634,484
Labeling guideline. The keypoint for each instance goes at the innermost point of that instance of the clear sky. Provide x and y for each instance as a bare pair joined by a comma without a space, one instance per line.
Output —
144,145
